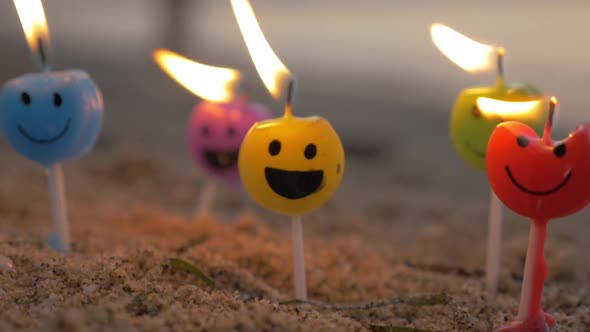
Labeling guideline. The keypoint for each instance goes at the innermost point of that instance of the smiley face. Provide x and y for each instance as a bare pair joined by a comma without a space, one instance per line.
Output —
471,129
537,179
292,165
51,117
215,132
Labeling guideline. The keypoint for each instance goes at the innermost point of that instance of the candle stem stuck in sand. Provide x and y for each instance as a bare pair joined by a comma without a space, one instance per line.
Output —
57,196
205,203
535,272
494,248
298,259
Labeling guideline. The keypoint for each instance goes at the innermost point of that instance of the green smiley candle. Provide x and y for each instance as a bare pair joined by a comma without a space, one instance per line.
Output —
471,127
477,112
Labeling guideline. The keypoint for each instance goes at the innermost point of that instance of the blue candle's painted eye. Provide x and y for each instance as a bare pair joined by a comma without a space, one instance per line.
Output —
25,98
57,100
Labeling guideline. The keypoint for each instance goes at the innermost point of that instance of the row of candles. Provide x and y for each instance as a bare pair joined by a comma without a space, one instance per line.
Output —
293,165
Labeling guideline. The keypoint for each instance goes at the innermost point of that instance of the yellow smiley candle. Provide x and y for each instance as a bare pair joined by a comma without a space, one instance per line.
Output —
477,112
290,165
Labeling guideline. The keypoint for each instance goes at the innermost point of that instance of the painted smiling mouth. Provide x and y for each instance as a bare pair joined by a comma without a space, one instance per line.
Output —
539,193
293,184
38,140
221,160
474,150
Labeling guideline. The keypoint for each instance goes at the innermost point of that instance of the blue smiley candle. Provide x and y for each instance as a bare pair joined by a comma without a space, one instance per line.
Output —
50,116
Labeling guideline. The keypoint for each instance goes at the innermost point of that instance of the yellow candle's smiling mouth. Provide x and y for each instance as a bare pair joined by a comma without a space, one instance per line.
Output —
293,184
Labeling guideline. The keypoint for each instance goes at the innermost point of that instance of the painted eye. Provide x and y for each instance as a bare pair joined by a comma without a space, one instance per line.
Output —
205,131
310,151
57,100
274,148
475,111
560,150
25,98
231,131
522,141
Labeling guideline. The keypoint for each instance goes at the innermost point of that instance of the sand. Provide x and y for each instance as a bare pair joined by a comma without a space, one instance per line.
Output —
402,243
130,217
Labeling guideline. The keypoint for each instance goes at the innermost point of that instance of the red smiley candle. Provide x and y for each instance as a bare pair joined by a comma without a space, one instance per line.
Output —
540,179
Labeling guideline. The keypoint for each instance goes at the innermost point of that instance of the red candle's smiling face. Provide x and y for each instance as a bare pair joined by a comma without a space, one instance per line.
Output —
536,179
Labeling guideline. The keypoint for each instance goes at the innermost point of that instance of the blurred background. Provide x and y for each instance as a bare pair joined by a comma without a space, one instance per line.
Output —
369,67
407,203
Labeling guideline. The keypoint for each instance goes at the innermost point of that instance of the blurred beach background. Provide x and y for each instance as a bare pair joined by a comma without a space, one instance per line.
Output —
371,69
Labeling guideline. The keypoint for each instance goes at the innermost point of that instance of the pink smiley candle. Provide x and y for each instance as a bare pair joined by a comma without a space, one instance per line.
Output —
215,132
218,124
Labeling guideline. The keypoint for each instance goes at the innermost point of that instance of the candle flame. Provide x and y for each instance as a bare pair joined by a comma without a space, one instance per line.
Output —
502,108
468,54
211,83
34,23
272,71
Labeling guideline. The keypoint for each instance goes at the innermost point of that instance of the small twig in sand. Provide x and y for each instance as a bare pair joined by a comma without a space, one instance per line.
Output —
413,300
389,328
188,267
445,269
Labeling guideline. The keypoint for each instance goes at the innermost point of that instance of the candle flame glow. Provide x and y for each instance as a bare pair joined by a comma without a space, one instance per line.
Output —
34,23
490,106
468,54
272,71
215,84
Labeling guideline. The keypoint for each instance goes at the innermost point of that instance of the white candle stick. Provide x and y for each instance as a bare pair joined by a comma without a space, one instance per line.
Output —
60,241
494,245
205,203
298,259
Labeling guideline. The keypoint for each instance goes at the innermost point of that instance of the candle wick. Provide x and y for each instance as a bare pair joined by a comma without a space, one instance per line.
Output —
291,90
42,54
500,67
549,123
